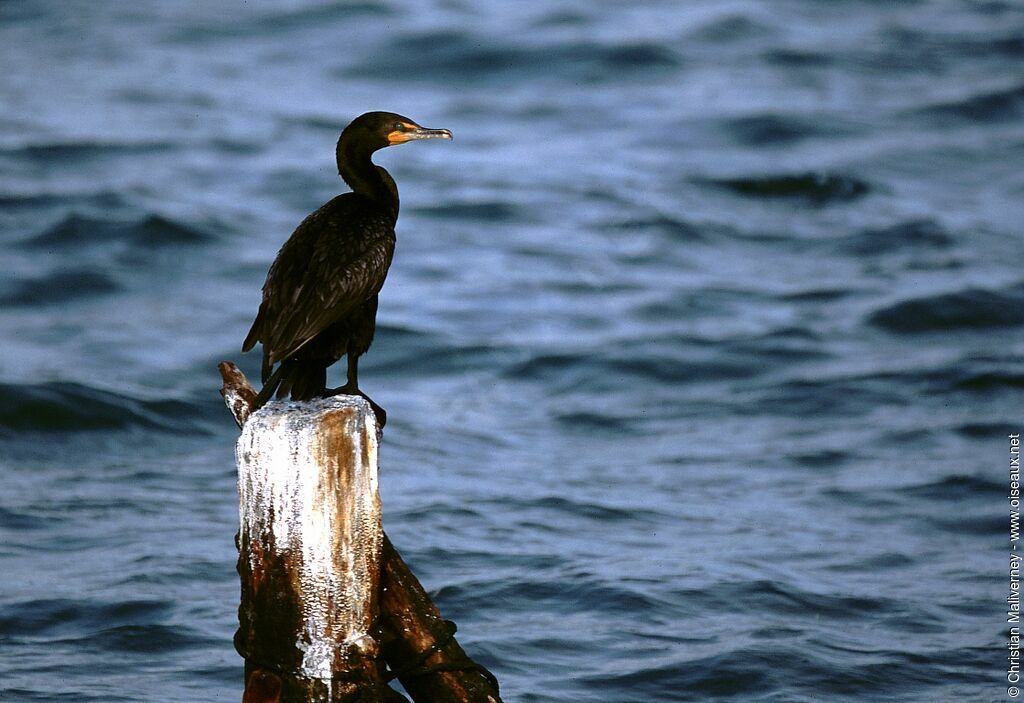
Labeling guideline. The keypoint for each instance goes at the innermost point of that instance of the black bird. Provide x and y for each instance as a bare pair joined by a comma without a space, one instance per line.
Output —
320,297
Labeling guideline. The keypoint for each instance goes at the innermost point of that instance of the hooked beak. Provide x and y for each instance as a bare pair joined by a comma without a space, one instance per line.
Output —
416,132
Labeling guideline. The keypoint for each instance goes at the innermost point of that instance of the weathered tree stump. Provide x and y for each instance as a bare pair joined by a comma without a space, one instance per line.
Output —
315,565
421,648
309,547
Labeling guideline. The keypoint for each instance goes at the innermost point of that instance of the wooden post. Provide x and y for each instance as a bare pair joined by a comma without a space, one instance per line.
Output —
422,650
309,547
339,437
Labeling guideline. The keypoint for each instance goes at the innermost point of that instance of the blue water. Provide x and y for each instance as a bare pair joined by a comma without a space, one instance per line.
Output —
700,345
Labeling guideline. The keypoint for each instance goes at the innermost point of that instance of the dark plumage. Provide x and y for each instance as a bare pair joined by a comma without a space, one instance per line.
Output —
320,297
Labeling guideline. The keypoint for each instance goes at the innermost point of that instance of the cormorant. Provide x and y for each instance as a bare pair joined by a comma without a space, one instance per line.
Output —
320,297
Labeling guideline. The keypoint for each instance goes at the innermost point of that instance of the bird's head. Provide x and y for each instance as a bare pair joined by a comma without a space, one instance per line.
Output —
380,129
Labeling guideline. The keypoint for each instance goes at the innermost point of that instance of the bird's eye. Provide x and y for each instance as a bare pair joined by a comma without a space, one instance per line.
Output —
399,127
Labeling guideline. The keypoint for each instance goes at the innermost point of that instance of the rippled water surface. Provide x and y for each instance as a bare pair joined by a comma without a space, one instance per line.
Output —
699,349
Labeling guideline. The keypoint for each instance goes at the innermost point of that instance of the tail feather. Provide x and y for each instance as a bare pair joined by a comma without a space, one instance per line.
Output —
267,365
255,332
270,384
302,380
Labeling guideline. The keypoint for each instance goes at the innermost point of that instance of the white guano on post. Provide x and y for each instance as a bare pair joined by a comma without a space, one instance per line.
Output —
307,483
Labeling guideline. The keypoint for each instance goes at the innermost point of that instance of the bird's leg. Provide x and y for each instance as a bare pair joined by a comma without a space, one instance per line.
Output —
352,388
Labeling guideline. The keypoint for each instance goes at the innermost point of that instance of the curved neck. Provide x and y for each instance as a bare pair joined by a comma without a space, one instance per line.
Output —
362,175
